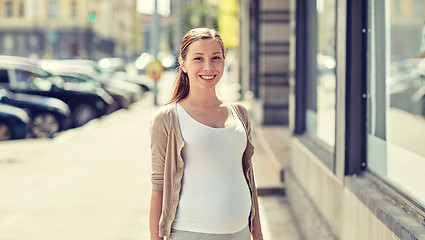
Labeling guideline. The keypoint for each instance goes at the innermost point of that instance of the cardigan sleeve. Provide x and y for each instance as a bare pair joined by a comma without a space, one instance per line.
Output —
245,118
159,135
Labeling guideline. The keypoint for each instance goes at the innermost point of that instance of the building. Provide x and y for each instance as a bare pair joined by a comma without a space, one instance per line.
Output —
69,28
347,79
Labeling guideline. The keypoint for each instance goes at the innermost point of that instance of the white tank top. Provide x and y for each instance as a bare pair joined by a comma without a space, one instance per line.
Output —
215,197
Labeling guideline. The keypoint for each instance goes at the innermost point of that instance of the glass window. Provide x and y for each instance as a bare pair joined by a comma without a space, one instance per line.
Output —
8,9
320,113
4,76
53,9
29,80
21,9
396,89
418,7
73,9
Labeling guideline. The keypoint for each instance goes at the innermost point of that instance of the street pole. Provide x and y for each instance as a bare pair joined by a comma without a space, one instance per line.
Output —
154,41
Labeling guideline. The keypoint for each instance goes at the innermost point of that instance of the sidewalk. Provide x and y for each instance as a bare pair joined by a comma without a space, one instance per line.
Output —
276,216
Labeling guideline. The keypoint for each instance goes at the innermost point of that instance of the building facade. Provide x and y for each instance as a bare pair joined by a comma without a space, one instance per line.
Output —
349,79
69,28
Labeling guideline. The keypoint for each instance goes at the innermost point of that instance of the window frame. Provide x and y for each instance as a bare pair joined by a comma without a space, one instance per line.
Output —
413,207
304,73
21,9
52,9
8,9
74,6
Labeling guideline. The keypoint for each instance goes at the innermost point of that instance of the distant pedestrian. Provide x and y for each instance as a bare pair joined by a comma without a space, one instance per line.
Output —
202,178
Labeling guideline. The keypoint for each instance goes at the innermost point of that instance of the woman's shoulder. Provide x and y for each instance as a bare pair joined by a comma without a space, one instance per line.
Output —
240,108
165,113
166,110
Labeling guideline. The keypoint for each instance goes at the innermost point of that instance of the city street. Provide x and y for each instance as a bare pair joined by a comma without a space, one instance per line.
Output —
88,183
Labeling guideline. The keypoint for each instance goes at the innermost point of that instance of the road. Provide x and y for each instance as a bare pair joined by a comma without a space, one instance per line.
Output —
88,183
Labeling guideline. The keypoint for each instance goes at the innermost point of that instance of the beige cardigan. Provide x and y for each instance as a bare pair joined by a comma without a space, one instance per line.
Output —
168,164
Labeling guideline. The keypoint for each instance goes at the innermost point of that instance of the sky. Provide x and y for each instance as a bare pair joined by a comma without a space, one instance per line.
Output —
147,6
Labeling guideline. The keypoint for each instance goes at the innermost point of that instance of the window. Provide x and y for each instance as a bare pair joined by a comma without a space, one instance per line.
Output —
4,76
320,113
30,80
9,9
73,9
53,9
418,7
396,90
21,9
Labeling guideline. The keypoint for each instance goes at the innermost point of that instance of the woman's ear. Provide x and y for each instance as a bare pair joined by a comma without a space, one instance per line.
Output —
182,64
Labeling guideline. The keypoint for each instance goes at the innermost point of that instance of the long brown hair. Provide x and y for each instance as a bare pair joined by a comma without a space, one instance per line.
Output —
182,86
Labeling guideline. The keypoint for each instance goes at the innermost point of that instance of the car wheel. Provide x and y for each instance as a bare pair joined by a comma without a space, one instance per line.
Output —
5,131
82,114
44,125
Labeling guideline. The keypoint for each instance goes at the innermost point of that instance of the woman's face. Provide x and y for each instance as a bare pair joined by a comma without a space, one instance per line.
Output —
204,63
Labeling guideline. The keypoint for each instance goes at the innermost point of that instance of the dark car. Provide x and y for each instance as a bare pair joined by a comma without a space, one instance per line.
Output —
13,122
48,116
89,68
84,81
22,75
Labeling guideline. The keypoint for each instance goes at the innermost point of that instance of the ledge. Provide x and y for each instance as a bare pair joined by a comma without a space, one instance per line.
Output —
384,204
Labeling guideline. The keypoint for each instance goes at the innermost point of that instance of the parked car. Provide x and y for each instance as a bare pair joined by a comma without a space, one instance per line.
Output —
84,81
90,68
13,122
118,69
22,75
48,116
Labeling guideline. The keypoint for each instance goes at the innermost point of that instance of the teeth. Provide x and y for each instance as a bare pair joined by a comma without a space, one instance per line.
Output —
207,77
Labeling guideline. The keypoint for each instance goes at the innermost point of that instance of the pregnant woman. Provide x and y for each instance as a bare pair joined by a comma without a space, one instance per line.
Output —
202,178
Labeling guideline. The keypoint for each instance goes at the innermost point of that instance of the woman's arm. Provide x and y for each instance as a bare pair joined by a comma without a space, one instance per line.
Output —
159,136
155,214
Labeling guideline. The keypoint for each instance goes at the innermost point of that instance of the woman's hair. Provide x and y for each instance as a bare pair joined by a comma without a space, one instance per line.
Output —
181,86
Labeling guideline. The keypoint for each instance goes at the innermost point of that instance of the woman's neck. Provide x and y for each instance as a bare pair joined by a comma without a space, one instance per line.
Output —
202,99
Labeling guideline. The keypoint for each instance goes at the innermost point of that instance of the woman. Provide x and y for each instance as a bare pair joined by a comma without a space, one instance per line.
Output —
202,180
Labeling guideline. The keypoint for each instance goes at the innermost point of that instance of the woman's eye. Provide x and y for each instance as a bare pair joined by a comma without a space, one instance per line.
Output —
197,59
216,58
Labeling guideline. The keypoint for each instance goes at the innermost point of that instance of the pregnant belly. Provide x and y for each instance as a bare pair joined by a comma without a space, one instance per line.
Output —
226,211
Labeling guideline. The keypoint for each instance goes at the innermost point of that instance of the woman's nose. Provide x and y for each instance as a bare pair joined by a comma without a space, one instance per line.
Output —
208,65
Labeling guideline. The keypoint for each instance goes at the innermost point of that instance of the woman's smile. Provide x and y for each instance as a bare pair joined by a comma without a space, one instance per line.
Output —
207,77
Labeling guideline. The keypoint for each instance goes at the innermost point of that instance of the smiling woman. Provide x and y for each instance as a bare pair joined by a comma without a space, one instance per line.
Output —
201,154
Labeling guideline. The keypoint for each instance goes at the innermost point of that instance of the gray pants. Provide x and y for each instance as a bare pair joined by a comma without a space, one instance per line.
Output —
184,235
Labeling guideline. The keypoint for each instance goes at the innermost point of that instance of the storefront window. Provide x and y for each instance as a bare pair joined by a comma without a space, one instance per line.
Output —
320,113
396,90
